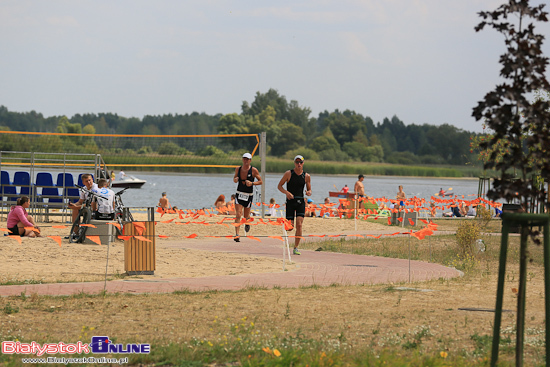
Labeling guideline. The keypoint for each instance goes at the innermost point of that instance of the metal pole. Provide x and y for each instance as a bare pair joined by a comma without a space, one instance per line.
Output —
547,284
409,258
500,290
263,145
521,295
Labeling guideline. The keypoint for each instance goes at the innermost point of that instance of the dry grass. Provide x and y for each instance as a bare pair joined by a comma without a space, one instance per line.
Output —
344,322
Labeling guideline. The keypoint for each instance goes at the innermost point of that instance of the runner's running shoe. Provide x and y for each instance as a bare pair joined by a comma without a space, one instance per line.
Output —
237,239
296,252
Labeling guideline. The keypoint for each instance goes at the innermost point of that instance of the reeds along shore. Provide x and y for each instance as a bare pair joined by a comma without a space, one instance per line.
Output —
277,165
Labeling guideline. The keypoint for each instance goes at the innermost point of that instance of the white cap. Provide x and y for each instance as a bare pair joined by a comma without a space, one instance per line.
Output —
299,157
247,155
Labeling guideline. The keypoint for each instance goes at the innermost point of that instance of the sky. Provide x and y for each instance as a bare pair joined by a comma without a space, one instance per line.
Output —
420,60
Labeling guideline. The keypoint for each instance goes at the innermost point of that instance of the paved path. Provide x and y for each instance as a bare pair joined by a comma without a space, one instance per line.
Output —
314,268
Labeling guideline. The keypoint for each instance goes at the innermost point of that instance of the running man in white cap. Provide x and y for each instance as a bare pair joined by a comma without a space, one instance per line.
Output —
244,178
295,181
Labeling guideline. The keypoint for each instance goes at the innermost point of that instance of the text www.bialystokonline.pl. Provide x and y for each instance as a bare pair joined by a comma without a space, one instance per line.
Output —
64,360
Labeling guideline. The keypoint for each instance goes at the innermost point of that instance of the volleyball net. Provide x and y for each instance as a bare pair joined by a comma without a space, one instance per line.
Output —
180,153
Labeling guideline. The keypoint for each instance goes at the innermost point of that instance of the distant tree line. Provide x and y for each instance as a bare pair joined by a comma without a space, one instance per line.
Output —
332,136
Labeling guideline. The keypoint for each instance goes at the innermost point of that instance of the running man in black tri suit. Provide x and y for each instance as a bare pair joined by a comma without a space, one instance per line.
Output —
244,178
295,181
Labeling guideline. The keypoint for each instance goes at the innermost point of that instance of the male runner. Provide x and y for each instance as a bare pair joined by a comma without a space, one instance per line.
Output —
295,181
244,177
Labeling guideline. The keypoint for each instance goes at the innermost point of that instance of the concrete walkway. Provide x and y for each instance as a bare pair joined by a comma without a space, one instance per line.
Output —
314,268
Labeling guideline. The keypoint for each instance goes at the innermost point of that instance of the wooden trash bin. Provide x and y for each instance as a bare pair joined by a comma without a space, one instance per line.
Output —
139,255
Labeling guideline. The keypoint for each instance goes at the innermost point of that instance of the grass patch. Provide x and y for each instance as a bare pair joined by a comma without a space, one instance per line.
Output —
316,326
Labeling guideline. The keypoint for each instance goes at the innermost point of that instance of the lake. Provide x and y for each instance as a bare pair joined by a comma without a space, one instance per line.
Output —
194,191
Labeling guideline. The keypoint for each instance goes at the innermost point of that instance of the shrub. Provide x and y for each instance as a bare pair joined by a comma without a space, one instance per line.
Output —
168,148
466,236
483,216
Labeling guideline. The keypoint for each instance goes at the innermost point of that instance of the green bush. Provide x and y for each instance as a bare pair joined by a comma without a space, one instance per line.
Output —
168,148
466,235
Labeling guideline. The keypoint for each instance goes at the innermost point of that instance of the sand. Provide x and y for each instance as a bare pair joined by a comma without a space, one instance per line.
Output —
42,260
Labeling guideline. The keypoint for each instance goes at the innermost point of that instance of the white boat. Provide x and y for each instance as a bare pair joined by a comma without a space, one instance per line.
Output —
128,181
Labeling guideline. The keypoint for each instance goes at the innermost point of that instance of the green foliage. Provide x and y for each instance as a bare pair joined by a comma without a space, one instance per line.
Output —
146,149
484,216
210,151
168,148
467,233
9,309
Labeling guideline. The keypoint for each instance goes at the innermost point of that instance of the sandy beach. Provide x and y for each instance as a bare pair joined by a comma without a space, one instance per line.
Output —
43,260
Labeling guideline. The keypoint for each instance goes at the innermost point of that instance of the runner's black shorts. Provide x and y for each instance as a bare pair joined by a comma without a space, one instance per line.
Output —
295,207
245,203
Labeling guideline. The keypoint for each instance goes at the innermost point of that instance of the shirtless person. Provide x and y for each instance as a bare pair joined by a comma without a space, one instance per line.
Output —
164,204
359,187
295,181
244,178
401,196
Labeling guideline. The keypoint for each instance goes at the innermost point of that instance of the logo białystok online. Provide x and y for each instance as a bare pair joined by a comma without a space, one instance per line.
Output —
99,344
102,344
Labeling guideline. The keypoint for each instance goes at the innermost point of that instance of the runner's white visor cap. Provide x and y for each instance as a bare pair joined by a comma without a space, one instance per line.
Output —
247,155
298,157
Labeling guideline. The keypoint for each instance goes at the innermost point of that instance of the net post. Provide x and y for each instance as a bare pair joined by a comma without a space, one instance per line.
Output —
263,144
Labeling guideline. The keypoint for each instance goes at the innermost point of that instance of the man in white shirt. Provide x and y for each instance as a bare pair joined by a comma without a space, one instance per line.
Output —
88,182
105,203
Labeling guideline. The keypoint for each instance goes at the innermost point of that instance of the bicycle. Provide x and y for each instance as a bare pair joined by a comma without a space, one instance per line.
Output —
78,230
122,214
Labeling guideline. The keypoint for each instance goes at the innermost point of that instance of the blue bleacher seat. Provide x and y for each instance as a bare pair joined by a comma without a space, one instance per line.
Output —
23,180
69,180
44,179
7,188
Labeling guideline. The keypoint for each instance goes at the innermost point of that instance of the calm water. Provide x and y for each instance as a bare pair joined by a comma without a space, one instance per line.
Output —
193,191
201,190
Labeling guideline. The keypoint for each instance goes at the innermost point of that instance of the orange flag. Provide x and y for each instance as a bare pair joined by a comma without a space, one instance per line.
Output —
389,222
116,225
423,221
139,227
88,225
400,220
411,222
4,229
163,236
141,238
355,235
193,235
17,238
254,238
168,221
58,227
56,239
95,239
277,237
